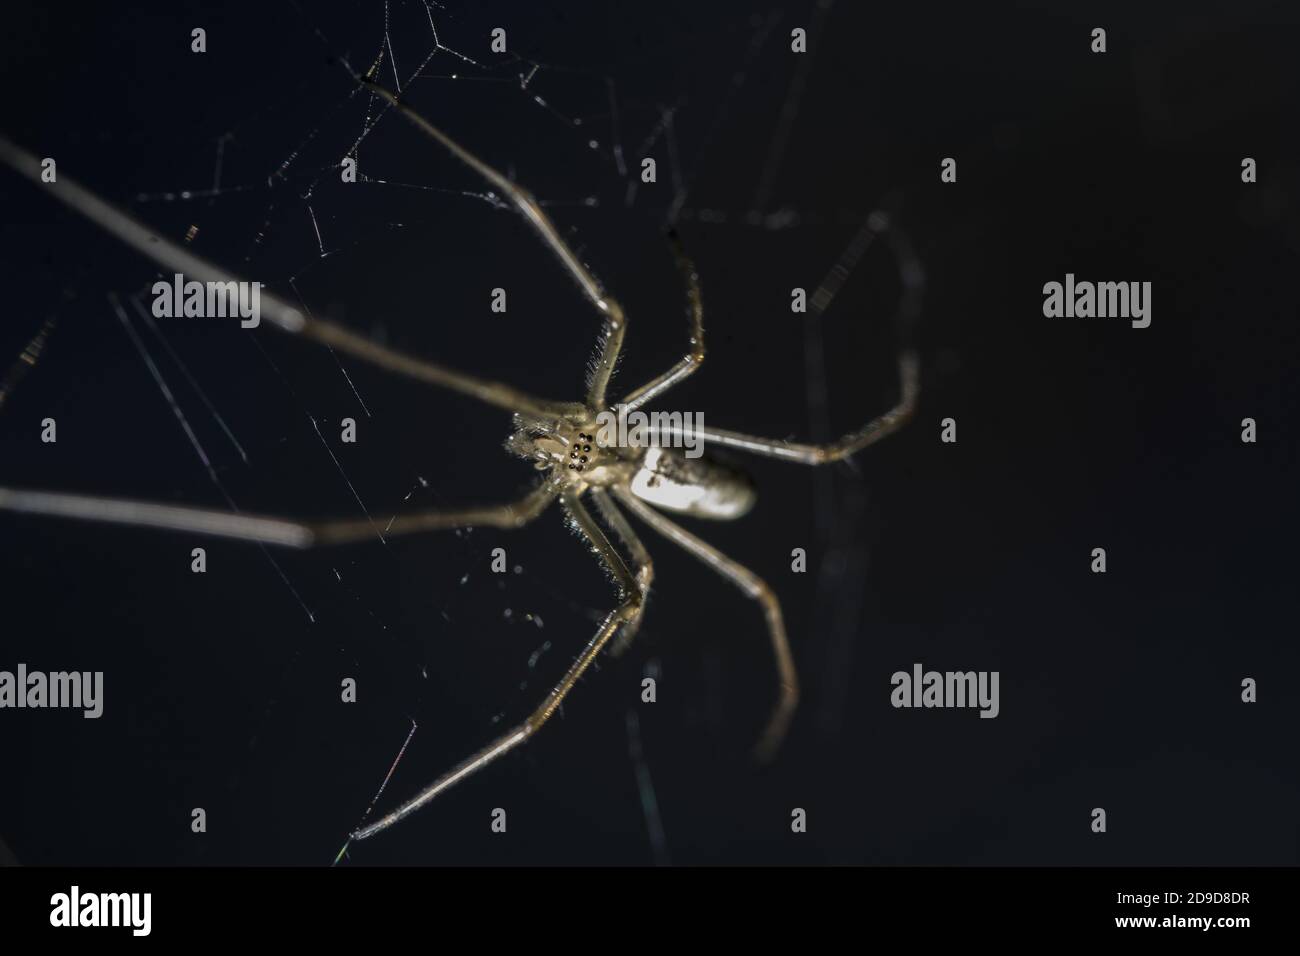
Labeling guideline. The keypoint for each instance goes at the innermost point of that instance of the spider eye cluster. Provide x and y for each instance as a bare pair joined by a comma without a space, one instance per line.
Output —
579,450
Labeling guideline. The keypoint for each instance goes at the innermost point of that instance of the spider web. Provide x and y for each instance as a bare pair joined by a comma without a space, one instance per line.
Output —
243,164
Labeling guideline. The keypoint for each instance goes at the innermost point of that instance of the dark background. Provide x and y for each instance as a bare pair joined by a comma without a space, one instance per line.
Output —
1119,690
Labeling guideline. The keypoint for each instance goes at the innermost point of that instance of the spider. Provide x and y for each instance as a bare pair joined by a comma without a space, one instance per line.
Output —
559,438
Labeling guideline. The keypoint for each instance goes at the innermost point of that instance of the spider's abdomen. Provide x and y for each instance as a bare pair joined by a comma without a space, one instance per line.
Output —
692,486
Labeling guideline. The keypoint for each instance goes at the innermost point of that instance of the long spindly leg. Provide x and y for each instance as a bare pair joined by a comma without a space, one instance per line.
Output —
627,613
280,314
641,560
757,589
842,447
277,531
693,359
611,340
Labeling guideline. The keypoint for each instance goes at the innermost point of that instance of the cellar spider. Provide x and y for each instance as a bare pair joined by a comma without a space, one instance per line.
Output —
559,438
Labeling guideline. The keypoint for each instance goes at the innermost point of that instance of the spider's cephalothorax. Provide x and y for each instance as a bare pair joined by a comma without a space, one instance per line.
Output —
562,439
568,448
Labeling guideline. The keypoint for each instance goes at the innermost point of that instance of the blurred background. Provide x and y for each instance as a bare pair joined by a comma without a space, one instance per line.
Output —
222,690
